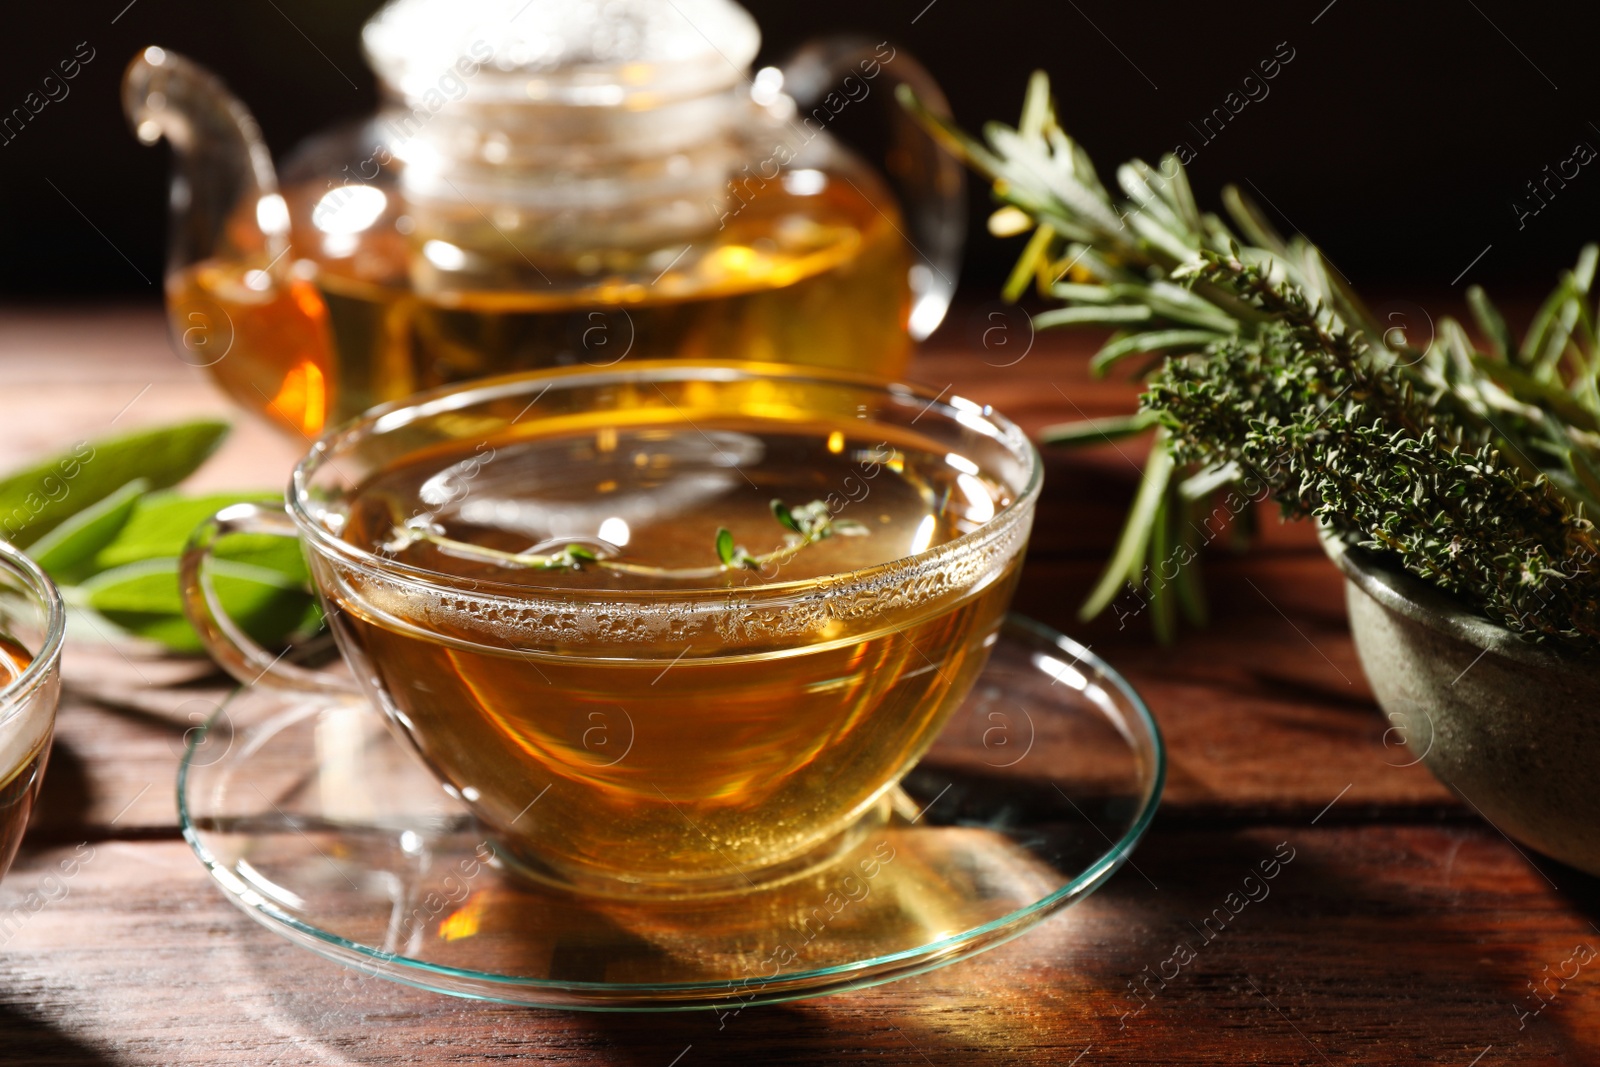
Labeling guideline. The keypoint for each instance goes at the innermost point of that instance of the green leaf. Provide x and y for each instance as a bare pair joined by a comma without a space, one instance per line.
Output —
144,599
1134,179
1490,321
161,524
1456,350
1082,294
1150,341
62,551
948,135
1027,264
1182,194
1525,387
781,512
1027,166
1115,315
1177,303
1251,222
1199,486
1583,272
725,546
1070,150
1099,431
281,554
1095,265
1129,556
1036,105
1584,472
37,500
1159,234
1534,340
1173,302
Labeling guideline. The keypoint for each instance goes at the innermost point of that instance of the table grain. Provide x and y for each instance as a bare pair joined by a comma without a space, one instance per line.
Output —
1404,930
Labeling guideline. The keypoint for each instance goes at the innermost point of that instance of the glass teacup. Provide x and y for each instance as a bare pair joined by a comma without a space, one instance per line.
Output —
665,628
32,621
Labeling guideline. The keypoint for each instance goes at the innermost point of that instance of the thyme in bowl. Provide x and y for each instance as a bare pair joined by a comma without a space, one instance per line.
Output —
1477,467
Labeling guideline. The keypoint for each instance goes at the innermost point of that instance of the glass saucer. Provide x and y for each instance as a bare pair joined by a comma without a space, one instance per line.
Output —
322,827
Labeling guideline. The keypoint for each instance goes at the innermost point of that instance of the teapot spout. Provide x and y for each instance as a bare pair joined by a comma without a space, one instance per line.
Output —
234,303
224,195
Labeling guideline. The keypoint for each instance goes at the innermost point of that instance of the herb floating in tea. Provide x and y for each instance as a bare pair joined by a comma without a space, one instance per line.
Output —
102,521
807,524
1475,469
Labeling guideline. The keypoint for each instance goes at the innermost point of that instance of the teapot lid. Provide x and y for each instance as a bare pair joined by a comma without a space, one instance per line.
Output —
573,52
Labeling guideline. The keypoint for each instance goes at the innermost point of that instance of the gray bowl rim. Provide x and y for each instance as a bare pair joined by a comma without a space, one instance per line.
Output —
1406,595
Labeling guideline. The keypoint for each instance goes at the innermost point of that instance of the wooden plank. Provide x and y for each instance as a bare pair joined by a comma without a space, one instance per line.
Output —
72,377
1409,945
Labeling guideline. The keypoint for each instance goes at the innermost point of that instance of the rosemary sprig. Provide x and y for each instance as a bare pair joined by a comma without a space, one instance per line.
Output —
806,525
1476,469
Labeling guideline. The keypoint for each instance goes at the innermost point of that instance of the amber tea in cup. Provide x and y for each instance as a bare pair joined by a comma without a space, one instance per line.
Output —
668,629
32,620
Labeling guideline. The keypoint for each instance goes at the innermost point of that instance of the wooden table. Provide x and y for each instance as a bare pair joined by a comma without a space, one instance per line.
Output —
1405,931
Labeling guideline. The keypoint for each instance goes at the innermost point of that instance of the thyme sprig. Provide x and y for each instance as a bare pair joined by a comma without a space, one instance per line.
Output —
806,524
1476,466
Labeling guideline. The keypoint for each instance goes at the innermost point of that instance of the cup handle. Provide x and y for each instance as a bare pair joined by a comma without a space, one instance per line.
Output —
930,181
228,644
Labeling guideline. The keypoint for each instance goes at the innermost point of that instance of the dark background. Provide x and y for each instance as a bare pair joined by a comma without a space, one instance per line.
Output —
1398,137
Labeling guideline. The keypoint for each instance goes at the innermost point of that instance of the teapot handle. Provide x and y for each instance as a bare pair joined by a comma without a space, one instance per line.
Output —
839,70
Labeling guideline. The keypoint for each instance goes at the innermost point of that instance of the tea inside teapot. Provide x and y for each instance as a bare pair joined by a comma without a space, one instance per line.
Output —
548,183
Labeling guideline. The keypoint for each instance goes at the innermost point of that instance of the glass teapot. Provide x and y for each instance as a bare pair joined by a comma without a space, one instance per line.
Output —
550,182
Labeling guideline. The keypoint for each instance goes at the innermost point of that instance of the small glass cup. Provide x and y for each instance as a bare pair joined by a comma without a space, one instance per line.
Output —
671,741
32,623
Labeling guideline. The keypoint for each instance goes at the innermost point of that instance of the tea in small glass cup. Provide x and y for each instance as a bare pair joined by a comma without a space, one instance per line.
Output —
32,623
665,629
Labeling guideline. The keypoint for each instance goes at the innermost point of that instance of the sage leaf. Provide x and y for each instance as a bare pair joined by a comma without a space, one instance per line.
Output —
144,599
64,550
280,554
37,500
162,522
